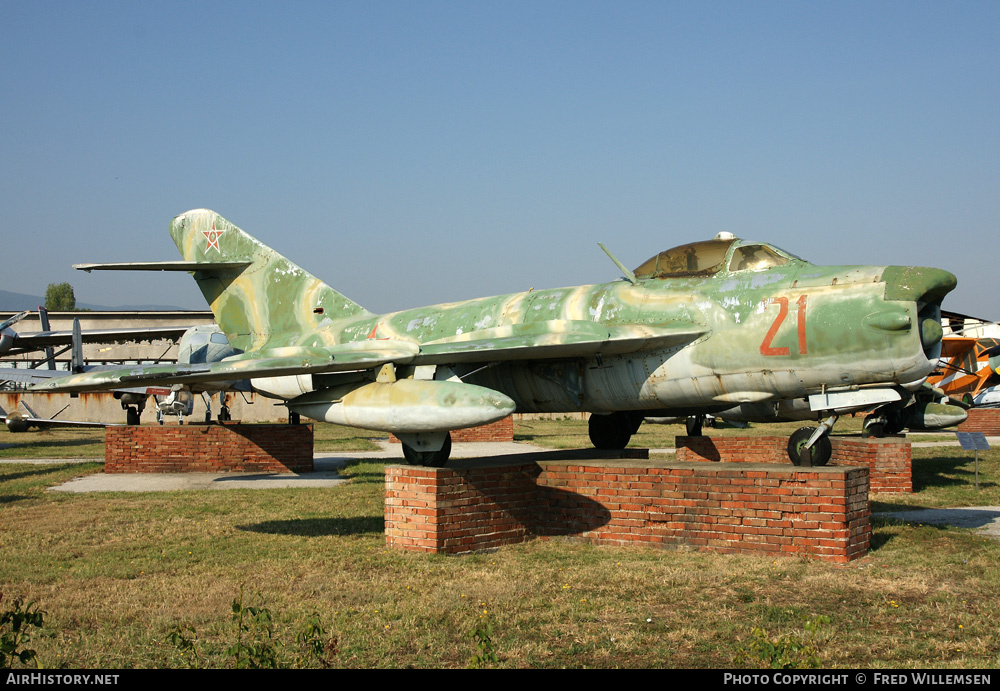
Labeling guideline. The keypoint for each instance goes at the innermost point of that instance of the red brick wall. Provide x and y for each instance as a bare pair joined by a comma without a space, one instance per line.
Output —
501,430
733,449
985,420
817,512
208,449
454,511
889,460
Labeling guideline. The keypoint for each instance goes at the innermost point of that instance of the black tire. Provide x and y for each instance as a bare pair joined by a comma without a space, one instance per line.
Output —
694,425
610,432
432,459
896,422
874,426
224,415
819,453
132,416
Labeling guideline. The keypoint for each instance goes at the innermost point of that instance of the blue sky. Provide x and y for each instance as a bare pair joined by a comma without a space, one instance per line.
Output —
410,153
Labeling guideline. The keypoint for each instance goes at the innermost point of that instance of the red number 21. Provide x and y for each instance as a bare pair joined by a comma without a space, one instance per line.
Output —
765,347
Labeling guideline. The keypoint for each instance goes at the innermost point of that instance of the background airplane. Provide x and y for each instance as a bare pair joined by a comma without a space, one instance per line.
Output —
692,331
970,360
18,421
198,344
14,343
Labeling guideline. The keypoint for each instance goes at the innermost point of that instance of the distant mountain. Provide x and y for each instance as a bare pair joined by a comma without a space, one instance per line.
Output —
15,302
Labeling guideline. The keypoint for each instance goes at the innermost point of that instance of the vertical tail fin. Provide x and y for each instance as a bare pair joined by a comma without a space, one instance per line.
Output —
271,301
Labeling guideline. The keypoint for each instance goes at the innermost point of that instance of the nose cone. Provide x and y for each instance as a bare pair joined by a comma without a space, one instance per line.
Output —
918,283
6,340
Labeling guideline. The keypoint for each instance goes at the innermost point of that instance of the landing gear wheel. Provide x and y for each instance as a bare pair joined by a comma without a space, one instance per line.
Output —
874,426
610,431
819,453
132,416
433,459
694,425
294,419
224,415
895,422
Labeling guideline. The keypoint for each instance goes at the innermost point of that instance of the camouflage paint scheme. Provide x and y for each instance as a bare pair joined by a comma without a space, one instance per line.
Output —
669,339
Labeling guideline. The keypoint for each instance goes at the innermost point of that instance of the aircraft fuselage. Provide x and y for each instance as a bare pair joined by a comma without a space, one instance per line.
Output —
784,332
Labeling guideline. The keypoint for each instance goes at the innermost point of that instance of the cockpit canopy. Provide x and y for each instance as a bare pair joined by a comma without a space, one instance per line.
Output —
708,257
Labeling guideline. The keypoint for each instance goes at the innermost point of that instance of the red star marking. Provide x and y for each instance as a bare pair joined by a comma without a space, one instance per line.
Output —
213,238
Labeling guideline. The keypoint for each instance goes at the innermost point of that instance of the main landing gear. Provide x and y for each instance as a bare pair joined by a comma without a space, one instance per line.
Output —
133,413
434,459
614,430
133,405
880,424
694,424
225,415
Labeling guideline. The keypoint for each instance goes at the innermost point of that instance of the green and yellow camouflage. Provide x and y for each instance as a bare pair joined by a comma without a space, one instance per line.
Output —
694,330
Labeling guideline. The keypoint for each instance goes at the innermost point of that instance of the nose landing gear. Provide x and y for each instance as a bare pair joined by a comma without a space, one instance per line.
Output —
810,446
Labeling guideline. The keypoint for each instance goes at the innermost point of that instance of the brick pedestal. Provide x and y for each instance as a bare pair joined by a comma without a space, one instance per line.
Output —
209,449
723,507
889,460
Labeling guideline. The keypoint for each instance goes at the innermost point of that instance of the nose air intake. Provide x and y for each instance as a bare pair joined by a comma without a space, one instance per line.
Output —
927,288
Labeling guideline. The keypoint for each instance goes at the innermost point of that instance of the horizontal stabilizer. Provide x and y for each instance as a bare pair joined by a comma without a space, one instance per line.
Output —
164,266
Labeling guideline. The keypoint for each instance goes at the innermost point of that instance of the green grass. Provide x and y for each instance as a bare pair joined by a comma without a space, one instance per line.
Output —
58,442
944,476
116,573
329,437
62,442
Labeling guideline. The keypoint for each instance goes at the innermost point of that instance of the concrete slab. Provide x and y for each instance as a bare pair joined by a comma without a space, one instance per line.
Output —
325,475
982,519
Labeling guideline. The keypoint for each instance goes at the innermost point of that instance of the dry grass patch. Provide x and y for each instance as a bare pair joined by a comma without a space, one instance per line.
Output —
116,573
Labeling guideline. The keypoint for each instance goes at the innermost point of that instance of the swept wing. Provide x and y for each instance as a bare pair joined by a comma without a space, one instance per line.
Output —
558,339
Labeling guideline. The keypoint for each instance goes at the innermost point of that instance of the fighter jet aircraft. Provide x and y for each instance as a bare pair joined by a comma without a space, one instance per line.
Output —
694,330
18,422
198,345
